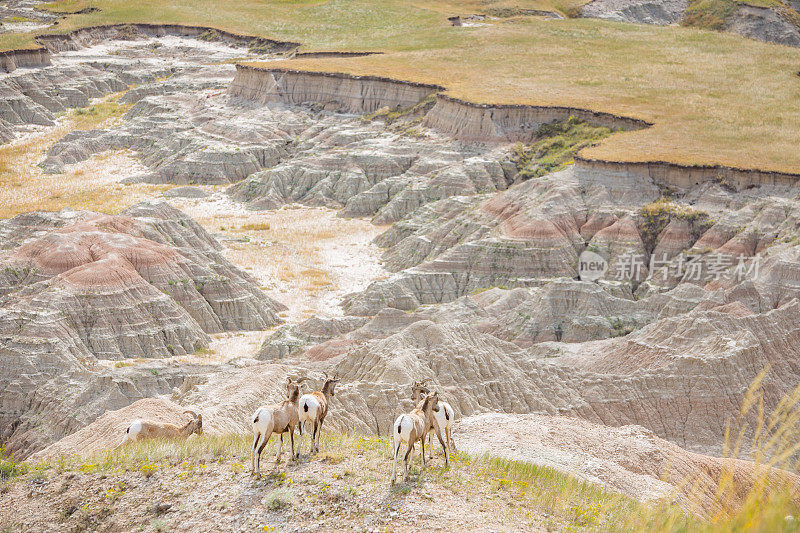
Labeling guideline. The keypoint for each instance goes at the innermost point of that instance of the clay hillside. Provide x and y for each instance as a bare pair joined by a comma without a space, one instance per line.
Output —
560,239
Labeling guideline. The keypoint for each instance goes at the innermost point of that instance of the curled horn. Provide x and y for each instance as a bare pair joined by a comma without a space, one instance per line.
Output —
300,380
195,415
424,381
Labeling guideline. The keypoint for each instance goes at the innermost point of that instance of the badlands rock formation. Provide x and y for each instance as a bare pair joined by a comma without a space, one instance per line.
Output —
76,287
529,238
774,24
485,298
24,15
644,11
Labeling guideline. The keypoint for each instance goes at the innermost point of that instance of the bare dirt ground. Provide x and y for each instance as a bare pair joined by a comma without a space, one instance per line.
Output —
343,488
305,257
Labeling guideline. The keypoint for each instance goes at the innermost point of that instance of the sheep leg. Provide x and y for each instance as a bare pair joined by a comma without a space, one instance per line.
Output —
280,451
256,437
450,442
314,445
405,458
264,442
291,438
422,441
124,440
397,442
430,445
444,447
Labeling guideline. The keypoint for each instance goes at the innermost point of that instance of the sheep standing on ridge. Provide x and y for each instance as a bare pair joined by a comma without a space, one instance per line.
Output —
444,415
150,429
413,427
314,408
275,419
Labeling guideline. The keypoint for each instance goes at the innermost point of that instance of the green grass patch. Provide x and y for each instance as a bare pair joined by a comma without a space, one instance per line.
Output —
709,14
555,147
65,7
86,118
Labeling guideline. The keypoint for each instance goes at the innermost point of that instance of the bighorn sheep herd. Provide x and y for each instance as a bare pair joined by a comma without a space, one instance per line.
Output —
307,412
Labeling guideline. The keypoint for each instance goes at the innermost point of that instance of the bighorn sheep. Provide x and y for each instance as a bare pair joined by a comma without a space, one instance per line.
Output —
413,427
150,429
444,415
314,408
275,419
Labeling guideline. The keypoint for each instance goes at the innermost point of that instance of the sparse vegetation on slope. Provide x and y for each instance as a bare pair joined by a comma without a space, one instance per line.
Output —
9,466
555,147
90,185
348,482
655,216
716,14
709,14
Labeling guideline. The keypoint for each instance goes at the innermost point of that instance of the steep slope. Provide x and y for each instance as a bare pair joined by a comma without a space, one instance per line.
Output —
78,287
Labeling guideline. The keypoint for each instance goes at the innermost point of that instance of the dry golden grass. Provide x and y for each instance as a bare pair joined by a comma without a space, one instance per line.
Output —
714,98
282,245
91,185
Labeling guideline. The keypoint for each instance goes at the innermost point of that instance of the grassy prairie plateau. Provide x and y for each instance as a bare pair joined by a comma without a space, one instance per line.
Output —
713,98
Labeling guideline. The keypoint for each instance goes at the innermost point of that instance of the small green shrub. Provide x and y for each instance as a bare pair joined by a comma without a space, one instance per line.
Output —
10,467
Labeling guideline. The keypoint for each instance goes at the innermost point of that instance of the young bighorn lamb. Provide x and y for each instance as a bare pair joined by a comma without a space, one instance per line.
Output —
150,429
314,408
444,415
275,419
414,427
